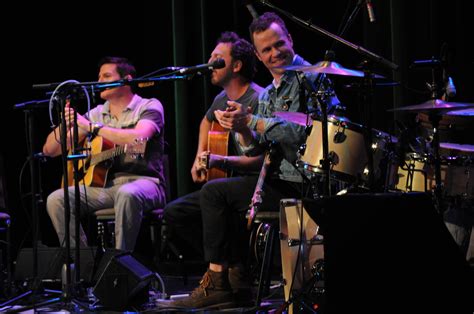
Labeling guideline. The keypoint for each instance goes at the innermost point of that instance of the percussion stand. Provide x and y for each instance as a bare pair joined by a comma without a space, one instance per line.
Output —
325,162
319,98
434,115
435,118
367,102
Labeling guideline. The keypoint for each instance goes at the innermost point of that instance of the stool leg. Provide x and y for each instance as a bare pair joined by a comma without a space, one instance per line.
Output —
9,261
166,243
111,228
265,276
155,230
100,235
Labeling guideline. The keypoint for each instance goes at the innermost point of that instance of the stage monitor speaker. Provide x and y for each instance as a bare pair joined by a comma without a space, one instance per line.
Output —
123,284
390,252
51,259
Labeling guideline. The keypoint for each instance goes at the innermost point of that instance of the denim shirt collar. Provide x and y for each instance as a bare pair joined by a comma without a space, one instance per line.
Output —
288,75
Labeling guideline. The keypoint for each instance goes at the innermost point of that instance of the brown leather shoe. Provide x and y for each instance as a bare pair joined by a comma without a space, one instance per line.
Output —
213,292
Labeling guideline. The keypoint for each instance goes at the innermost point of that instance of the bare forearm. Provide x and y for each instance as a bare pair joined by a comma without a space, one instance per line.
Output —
241,163
204,129
245,163
52,146
120,136
145,129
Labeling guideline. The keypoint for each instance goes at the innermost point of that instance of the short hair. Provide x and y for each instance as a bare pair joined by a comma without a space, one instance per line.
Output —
124,66
241,50
264,21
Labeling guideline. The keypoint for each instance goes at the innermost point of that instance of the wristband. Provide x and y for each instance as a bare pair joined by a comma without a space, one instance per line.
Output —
96,127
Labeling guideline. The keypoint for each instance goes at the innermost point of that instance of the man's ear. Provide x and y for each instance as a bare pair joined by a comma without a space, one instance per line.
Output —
258,56
290,39
237,66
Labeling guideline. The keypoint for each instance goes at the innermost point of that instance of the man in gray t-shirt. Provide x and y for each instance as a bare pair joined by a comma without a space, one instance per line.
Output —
132,186
183,215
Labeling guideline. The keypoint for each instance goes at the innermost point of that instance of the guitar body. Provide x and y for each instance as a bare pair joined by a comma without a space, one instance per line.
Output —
91,174
218,144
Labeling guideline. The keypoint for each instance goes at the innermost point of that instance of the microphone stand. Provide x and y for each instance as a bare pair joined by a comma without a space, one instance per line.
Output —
67,205
66,300
29,108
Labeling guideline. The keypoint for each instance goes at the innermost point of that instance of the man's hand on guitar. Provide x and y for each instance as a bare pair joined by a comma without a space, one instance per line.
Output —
210,161
204,161
199,169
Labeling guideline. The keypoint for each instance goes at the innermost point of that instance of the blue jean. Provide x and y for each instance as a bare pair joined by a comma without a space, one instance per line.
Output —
130,197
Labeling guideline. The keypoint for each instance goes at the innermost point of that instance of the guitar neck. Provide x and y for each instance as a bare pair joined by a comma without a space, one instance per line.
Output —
107,154
263,174
257,194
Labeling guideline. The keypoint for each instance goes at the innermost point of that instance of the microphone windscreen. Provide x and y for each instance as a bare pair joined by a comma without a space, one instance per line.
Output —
218,64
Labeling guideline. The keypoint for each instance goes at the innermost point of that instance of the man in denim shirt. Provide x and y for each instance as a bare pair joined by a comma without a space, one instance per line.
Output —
221,200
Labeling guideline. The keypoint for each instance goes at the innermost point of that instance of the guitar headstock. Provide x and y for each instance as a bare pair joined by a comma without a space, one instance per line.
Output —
137,149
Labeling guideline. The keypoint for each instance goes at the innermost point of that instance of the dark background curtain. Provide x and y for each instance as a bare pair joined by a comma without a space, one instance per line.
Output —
44,46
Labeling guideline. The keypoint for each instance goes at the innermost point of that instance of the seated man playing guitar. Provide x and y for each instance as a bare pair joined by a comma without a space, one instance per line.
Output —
183,215
130,185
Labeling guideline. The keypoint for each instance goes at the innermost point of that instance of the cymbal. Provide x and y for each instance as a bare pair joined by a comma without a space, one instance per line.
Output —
434,105
461,113
461,147
295,117
328,67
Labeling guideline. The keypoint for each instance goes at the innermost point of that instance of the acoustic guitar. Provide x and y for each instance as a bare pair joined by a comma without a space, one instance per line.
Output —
94,168
217,144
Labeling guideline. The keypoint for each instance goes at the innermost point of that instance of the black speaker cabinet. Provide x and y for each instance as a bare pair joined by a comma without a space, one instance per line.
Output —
123,284
390,253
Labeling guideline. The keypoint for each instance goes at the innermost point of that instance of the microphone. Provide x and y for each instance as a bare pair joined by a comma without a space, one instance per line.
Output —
450,88
32,104
370,10
428,63
251,9
203,68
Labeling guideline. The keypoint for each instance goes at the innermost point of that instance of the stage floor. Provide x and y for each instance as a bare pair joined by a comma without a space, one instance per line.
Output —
176,283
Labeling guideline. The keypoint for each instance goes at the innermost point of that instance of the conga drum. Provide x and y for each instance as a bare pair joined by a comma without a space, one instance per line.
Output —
301,246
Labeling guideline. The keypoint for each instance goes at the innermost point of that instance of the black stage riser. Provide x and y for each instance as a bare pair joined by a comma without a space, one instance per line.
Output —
390,253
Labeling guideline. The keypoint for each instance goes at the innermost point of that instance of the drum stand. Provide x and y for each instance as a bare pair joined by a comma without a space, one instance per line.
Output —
435,118
319,98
